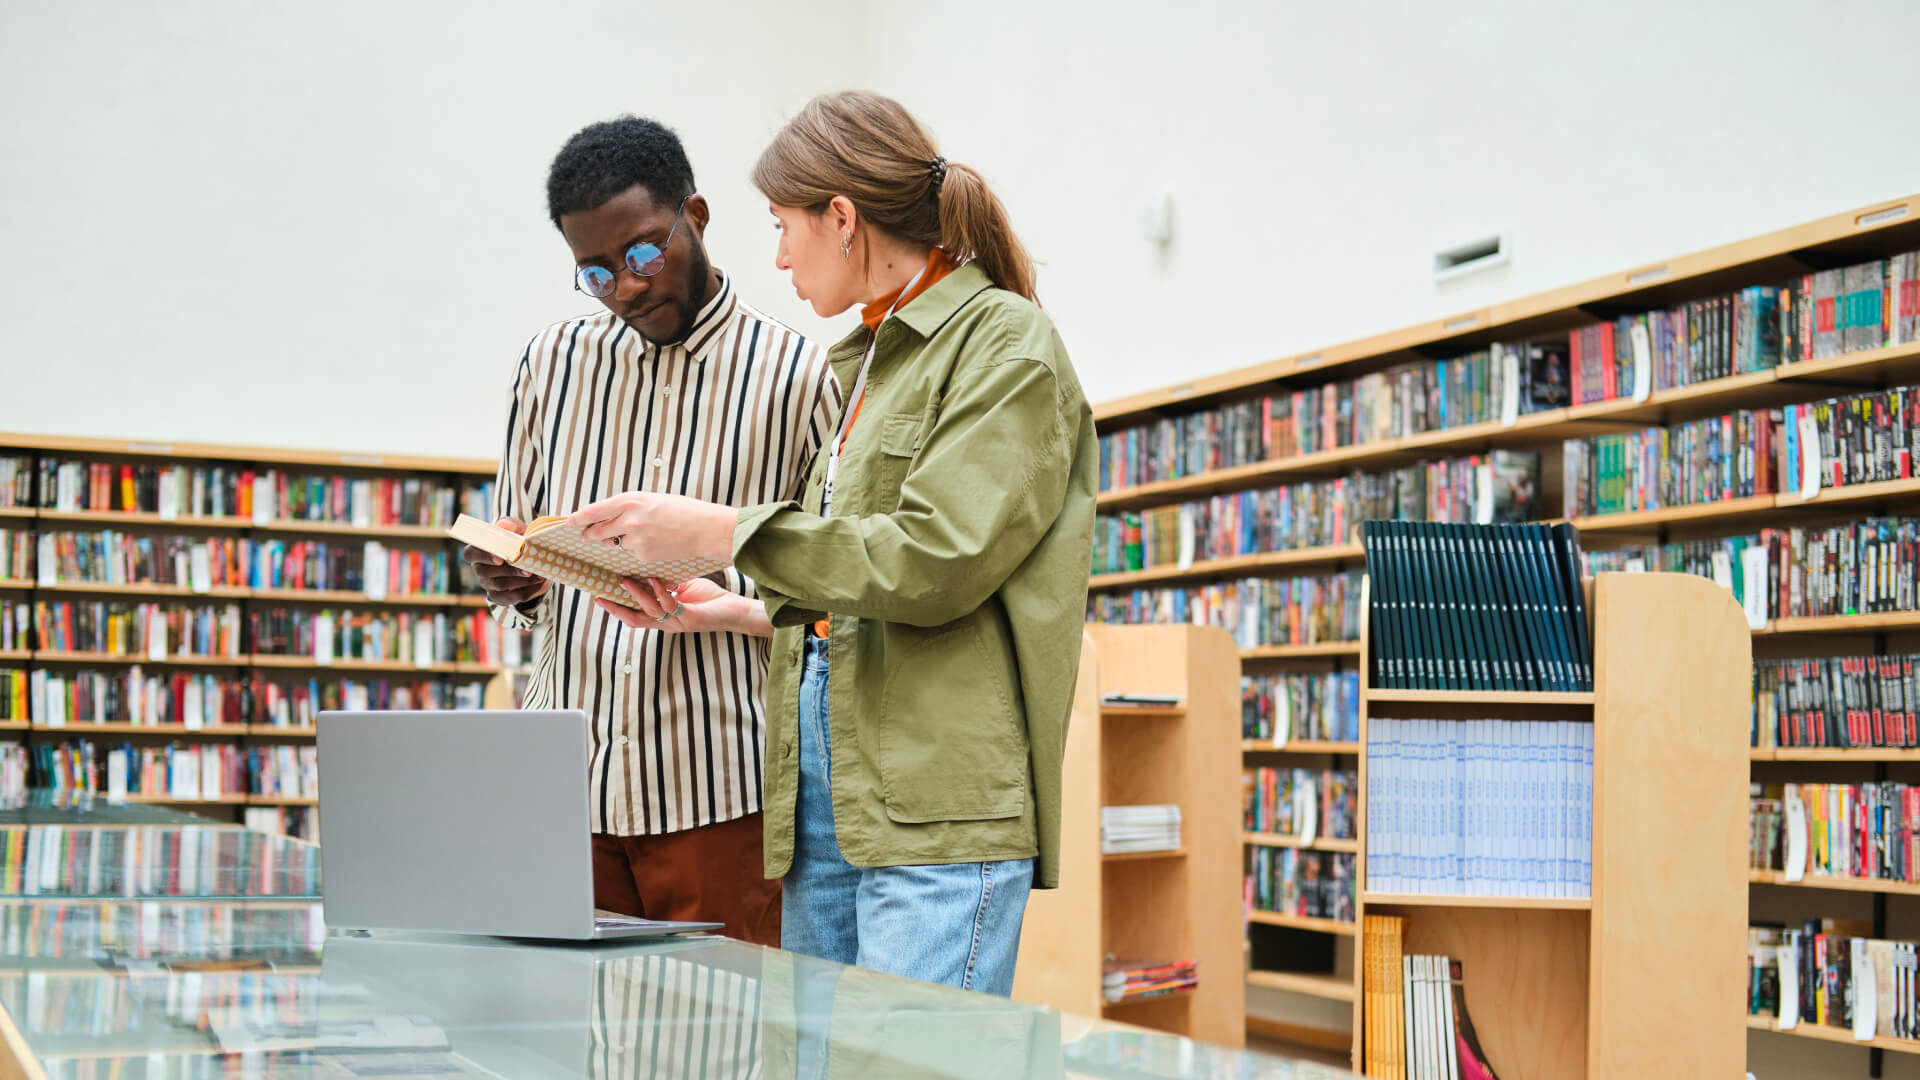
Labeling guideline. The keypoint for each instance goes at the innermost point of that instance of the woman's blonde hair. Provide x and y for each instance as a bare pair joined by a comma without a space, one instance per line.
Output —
870,149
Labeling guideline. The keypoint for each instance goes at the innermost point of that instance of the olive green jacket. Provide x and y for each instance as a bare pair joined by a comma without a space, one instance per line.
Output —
955,567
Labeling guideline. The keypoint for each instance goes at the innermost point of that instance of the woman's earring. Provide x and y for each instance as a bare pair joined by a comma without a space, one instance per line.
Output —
846,246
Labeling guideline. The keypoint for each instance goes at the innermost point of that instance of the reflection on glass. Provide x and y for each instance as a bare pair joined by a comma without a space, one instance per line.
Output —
43,806
161,862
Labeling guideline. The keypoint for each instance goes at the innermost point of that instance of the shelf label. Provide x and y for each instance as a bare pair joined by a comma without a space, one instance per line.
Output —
1310,361
149,448
1881,217
1642,362
361,459
1648,276
1464,322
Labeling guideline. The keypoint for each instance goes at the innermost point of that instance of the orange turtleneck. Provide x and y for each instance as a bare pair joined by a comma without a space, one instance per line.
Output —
939,265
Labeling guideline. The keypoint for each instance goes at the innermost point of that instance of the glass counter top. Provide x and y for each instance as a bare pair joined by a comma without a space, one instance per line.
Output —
43,807
154,862
159,989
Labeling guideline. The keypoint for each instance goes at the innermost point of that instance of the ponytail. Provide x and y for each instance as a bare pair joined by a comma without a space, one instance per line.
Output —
974,225
869,149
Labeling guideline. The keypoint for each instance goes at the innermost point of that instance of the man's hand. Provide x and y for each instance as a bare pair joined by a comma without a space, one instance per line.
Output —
694,607
507,586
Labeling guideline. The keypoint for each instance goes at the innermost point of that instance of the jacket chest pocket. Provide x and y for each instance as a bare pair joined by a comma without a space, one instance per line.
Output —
900,435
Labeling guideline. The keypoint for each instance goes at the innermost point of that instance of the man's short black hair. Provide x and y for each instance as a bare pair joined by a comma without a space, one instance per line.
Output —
602,160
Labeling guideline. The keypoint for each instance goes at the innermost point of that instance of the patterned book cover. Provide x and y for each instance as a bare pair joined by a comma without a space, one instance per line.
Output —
556,550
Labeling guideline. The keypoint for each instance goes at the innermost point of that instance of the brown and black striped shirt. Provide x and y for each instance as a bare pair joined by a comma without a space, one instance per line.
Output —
733,415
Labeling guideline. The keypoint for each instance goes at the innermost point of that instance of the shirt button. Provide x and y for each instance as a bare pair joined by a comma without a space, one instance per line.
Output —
666,391
659,462
626,669
622,740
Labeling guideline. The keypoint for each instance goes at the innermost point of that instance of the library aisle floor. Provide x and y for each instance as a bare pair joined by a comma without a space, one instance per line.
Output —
187,950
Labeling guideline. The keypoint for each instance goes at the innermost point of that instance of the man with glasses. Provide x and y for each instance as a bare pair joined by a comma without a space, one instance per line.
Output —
678,386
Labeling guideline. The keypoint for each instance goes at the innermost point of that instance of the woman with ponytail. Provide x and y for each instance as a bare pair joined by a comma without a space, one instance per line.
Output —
925,598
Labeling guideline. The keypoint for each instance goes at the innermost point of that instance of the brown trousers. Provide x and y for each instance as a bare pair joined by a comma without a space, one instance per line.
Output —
709,874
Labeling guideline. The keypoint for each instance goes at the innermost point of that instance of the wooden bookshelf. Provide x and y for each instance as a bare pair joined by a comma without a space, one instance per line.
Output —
1298,746
1808,1030
1556,985
1281,840
1480,697
458,473
1238,565
1835,883
1833,754
1304,922
1315,650
1150,907
167,800
1143,856
283,800
1331,987
1144,712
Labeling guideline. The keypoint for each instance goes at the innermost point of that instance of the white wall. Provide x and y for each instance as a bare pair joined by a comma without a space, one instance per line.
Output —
324,224
1320,152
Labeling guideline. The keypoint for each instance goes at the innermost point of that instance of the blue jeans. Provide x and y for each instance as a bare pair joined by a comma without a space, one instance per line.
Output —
957,924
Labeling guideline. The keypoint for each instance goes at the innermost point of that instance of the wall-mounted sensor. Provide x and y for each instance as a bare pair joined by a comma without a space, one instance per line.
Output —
1159,219
1467,258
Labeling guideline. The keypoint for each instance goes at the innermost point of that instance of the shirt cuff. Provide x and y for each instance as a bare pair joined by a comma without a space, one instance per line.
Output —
527,616
782,610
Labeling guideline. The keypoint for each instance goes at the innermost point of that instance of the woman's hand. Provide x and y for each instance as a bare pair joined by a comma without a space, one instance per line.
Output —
660,528
695,607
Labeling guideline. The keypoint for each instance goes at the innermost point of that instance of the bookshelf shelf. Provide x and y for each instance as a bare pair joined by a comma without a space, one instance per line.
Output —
1227,567
15,725
283,732
340,528
1836,754
1845,624
171,731
16,583
1480,697
16,654
1303,922
223,800
307,663
1806,1030
283,800
122,517
1298,652
477,468
1148,999
17,512
1331,987
1143,856
56,656
1297,746
1257,839
1506,903
343,596
1828,881
218,592
1143,712
1648,519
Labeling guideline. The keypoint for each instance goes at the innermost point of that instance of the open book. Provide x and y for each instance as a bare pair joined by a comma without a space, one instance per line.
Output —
553,549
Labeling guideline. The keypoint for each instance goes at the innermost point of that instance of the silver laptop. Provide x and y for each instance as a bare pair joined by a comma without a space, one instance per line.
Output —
470,822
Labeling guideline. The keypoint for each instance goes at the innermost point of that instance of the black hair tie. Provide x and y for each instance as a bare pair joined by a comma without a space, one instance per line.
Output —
938,169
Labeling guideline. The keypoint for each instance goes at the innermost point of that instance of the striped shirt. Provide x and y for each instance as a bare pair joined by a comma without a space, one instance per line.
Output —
733,415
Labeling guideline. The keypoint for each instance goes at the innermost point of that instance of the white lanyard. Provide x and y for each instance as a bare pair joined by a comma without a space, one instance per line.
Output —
854,402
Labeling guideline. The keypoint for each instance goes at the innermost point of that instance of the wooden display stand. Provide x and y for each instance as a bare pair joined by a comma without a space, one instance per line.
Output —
1638,979
1158,906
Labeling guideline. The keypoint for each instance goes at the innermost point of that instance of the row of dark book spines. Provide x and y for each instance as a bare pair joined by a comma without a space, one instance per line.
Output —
1840,701
1438,627
1825,978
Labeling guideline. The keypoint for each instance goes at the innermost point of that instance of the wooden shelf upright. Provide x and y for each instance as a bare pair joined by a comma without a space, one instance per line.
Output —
1148,910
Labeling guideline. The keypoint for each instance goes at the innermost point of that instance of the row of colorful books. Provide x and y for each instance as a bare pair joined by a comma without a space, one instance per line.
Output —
1860,567
1795,450
161,930
156,632
16,554
1838,701
1312,706
1256,611
133,695
1305,803
1499,382
1833,973
1480,807
1830,313
1300,883
1813,830
187,771
1416,1022
17,474
110,557
298,821
1497,486
156,862
268,495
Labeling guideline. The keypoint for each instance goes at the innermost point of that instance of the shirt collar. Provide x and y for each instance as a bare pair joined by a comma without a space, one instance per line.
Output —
929,311
710,325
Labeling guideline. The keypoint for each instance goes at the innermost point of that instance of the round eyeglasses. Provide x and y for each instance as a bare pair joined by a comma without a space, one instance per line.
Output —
643,259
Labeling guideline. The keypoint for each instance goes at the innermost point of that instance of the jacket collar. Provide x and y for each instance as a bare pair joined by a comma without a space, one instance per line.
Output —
924,315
